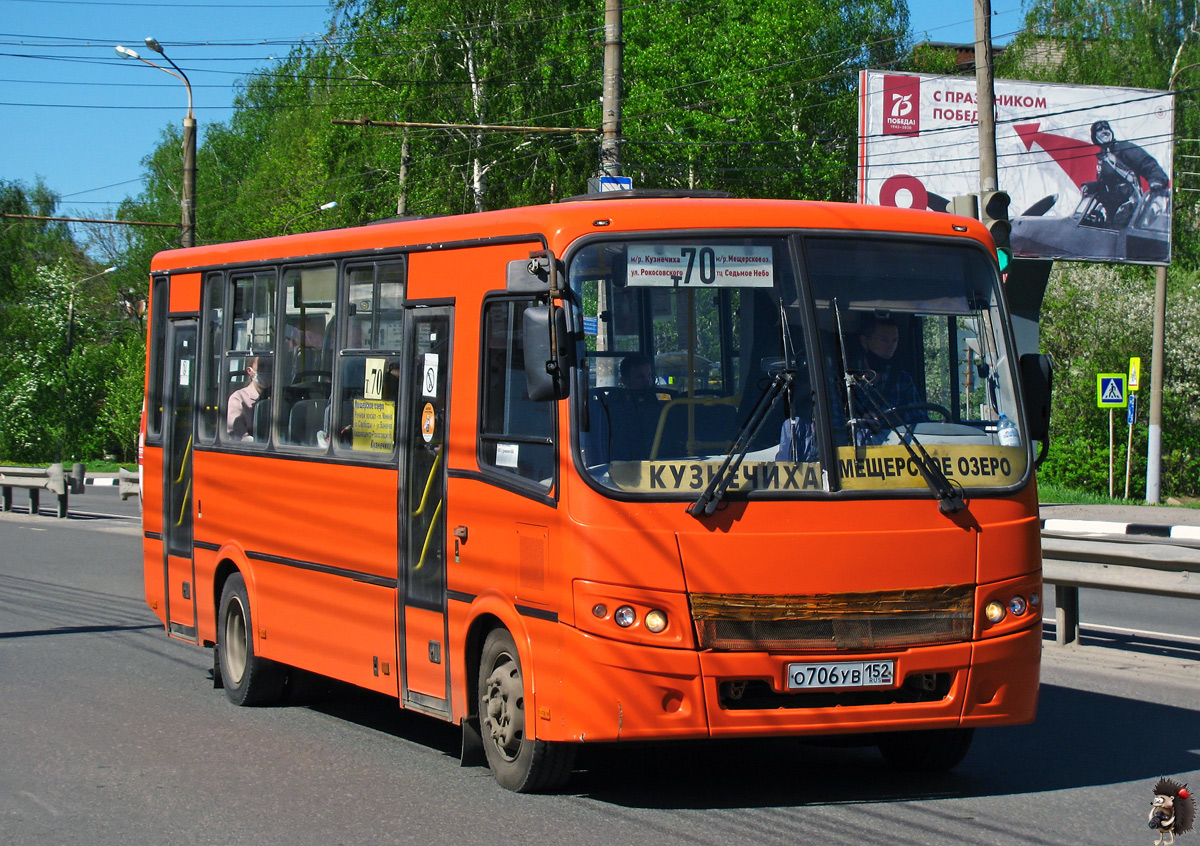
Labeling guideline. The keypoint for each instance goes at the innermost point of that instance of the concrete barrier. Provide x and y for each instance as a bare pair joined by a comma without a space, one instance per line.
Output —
38,479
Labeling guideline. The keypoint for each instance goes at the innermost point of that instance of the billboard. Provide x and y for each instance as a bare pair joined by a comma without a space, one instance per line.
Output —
1088,167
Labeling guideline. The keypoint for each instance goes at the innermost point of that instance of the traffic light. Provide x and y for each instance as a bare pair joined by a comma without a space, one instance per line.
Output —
966,205
993,211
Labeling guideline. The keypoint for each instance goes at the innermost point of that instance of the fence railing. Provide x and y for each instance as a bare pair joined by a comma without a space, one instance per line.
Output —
37,479
1123,564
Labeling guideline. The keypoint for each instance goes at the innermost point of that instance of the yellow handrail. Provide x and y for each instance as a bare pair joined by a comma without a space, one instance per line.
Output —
428,484
437,512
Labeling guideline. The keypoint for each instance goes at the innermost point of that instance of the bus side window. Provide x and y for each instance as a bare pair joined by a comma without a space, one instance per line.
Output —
516,435
361,418
213,317
248,371
304,359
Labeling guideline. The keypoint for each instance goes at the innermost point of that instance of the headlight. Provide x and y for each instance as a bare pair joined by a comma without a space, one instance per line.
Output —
625,616
1017,606
656,621
994,612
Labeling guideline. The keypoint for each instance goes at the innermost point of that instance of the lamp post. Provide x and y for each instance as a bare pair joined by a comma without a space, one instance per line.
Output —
188,235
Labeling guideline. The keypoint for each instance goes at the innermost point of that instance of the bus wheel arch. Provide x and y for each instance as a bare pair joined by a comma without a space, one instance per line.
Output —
518,760
247,678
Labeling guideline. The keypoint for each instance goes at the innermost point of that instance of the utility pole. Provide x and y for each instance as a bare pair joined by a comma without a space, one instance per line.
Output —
610,142
985,92
402,199
1158,345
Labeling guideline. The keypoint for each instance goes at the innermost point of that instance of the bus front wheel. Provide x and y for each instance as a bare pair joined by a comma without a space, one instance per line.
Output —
932,750
247,678
517,760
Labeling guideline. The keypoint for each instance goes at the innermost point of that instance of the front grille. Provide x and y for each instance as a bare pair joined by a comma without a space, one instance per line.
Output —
835,621
757,695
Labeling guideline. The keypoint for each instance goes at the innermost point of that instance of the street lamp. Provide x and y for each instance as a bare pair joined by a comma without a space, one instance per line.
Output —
332,204
188,236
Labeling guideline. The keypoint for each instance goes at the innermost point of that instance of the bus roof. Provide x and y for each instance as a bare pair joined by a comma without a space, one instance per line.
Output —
561,223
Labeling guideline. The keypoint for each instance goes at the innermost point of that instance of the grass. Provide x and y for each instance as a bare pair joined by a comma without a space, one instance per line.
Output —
1049,492
94,466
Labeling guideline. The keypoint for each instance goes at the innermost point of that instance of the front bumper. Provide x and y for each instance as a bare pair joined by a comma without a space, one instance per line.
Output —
611,690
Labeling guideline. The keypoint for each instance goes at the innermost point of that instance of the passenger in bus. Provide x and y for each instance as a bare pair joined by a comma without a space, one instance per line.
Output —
637,372
240,414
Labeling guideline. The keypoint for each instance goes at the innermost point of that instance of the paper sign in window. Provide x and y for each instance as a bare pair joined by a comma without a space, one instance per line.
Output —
506,455
373,383
374,425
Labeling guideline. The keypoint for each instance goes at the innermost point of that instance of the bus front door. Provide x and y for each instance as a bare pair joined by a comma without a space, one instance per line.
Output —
179,572
423,633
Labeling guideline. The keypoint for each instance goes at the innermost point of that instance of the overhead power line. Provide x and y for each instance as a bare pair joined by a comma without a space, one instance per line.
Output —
472,127
89,220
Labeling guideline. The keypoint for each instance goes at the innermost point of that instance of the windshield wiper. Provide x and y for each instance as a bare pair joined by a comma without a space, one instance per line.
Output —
715,491
950,499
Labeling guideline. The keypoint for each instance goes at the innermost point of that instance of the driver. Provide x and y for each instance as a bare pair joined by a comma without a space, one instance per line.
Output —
894,387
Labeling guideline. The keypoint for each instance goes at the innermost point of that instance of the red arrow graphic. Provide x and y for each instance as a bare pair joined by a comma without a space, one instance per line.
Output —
1076,158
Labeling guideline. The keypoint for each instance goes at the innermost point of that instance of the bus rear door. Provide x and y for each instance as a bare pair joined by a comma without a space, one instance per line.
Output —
425,674
179,406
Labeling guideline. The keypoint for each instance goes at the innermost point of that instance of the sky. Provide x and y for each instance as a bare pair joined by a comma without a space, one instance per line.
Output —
82,118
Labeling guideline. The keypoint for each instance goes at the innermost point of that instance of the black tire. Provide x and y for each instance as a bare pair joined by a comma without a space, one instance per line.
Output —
518,761
930,751
247,679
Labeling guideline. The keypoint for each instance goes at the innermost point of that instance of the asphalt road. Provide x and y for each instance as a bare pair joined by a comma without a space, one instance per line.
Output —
112,734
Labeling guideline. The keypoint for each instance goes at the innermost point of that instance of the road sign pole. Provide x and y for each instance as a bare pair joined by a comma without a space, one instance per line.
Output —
1111,417
1129,443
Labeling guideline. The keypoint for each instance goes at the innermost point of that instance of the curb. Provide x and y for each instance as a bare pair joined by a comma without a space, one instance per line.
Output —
1104,527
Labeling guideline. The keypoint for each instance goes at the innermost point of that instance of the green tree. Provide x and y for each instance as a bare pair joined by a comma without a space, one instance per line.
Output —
1094,319
757,99
24,244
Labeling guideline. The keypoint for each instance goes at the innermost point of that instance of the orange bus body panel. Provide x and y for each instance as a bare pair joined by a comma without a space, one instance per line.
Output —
319,542
327,617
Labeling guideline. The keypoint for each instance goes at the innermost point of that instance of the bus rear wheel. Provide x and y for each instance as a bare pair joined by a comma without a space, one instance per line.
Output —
933,750
247,678
518,761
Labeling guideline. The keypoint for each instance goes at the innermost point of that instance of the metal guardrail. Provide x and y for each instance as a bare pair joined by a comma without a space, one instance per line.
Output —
129,483
1124,564
38,479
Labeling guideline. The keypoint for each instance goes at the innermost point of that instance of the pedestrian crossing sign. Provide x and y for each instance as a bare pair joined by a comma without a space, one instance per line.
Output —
1110,390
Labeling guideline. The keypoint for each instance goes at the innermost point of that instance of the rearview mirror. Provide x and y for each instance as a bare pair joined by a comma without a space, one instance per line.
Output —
545,340
1037,381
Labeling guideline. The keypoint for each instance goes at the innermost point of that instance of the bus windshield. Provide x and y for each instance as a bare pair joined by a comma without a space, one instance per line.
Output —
795,366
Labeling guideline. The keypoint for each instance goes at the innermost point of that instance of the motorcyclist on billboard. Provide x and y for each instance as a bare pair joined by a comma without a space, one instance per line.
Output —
1120,168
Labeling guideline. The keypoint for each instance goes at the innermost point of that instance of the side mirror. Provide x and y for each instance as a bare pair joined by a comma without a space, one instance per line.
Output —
1037,382
545,341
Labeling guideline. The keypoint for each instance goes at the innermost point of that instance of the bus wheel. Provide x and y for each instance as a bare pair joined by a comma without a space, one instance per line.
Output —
934,750
519,762
248,679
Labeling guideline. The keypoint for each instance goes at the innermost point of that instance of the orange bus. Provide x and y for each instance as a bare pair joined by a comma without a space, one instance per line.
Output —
615,469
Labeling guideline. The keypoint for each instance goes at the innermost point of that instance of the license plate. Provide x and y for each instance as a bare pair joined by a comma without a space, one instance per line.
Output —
841,674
